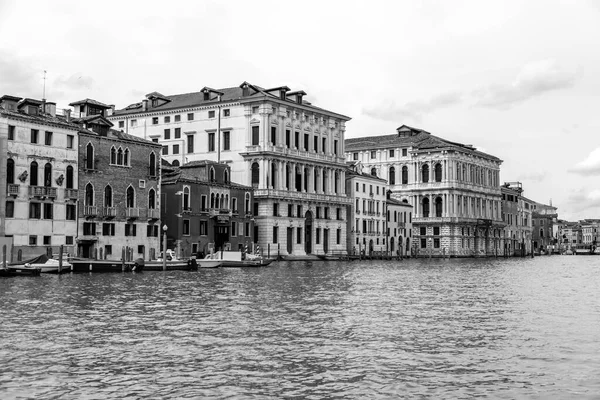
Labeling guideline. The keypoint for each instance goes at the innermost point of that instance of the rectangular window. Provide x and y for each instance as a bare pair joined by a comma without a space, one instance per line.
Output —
226,141
318,212
297,140
175,149
177,133
423,243
291,210
203,228
167,120
89,228
275,234
152,230
436,230
203,202
436,243
255,135
273,135
190,143
10,209
373,154
317,235
423,231
299,211
35,210
391,153
287,138
108,250
255,110
211,141
298,235
167,134
326,212
404,152
338,236
141,249
211,114
71,212
186,227
178,118
130,229
154,120
226,112
48,211
32,240
70,139
121,124
324,146
355,156
165,150
68,239
133,123
338,213
190,117
247,229
234,228
34,135
275,209
48,138
335,147
306,139
11,132
108,229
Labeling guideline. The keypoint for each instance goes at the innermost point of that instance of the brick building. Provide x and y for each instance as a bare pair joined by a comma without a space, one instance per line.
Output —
203,210
119,181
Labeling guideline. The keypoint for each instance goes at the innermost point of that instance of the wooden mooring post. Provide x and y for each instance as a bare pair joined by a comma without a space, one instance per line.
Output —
60,259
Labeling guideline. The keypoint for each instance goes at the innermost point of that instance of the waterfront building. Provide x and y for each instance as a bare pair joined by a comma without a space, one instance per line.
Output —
289,151
544,217
204,211
367,216
39,177
399,227
569,235
516,214
119,182
454,189
590,229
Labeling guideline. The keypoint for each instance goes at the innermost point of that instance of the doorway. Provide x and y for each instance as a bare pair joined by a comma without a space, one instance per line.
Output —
290,238
308,224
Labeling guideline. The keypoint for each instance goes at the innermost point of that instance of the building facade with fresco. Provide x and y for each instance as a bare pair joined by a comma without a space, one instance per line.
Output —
454,189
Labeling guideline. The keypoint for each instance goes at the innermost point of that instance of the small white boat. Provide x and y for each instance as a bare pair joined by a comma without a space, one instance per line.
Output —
50,266
209,263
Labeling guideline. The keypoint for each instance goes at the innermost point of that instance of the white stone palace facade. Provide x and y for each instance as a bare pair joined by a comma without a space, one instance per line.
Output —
290,151
454,189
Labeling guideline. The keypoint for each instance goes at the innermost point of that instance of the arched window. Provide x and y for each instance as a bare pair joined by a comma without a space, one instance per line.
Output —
273,176
247,203
255,174
89,195
130,197
89,156
126,157
186,198
113,155
336,182
212,174
287,177
175,163
438,207
426,207
374,171
357,204
33,173
438,172
151,199
48,175
226,176
120,156
10,171
108,197
212,200
425,173
405,175
392,176
69,177
226,201
152,166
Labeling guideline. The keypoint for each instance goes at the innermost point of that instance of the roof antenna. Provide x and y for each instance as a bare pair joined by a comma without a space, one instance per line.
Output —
44,94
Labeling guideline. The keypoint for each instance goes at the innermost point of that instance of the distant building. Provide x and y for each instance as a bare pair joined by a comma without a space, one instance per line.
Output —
288,150
570,235
399,227
204,211
544,217
367,217
454,189
516,213
38,193
119,182
590,232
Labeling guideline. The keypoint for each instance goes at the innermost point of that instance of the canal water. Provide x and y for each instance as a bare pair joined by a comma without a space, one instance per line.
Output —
460,328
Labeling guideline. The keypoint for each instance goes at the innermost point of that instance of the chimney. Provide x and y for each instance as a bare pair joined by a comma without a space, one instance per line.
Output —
299,98
145,105
245,90
111,110
50,108
282,93
67,113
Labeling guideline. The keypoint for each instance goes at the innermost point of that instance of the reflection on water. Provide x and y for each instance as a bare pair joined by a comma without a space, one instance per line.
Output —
382,329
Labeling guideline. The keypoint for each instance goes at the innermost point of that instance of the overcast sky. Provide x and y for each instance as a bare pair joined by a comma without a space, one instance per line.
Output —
517,79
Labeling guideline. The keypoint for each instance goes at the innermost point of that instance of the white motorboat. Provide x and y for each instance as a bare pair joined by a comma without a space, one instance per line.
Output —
50,266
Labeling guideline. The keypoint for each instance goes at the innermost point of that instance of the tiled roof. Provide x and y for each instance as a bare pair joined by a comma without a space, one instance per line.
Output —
398,203
93,118
89,101
41,118
115,134
187,174
194,99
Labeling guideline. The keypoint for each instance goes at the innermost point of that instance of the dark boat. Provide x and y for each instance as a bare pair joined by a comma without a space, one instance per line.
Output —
19,270
88,265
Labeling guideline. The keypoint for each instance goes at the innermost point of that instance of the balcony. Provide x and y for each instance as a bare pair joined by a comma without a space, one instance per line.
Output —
12,189
109,212
71,194
294,195
90,211
131,212
153,213
42,191
186,210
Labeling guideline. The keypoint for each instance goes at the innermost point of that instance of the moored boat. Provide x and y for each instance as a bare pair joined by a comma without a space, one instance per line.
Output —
18,270
89,265
239,259
48,265
172,263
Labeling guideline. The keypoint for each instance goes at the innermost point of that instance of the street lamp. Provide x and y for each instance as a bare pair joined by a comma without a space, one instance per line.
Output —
164,247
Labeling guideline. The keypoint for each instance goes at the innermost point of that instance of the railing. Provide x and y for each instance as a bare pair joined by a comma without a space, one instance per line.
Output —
131,212
285,194
71,193
40,191
153,213
90,211
12,189
109,212
51,192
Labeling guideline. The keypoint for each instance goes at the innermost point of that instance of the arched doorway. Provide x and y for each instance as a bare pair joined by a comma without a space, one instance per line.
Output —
308,225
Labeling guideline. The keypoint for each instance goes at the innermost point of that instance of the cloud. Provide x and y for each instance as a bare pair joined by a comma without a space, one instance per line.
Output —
533,80
590,166
534,176
413,110
74,82
584,201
